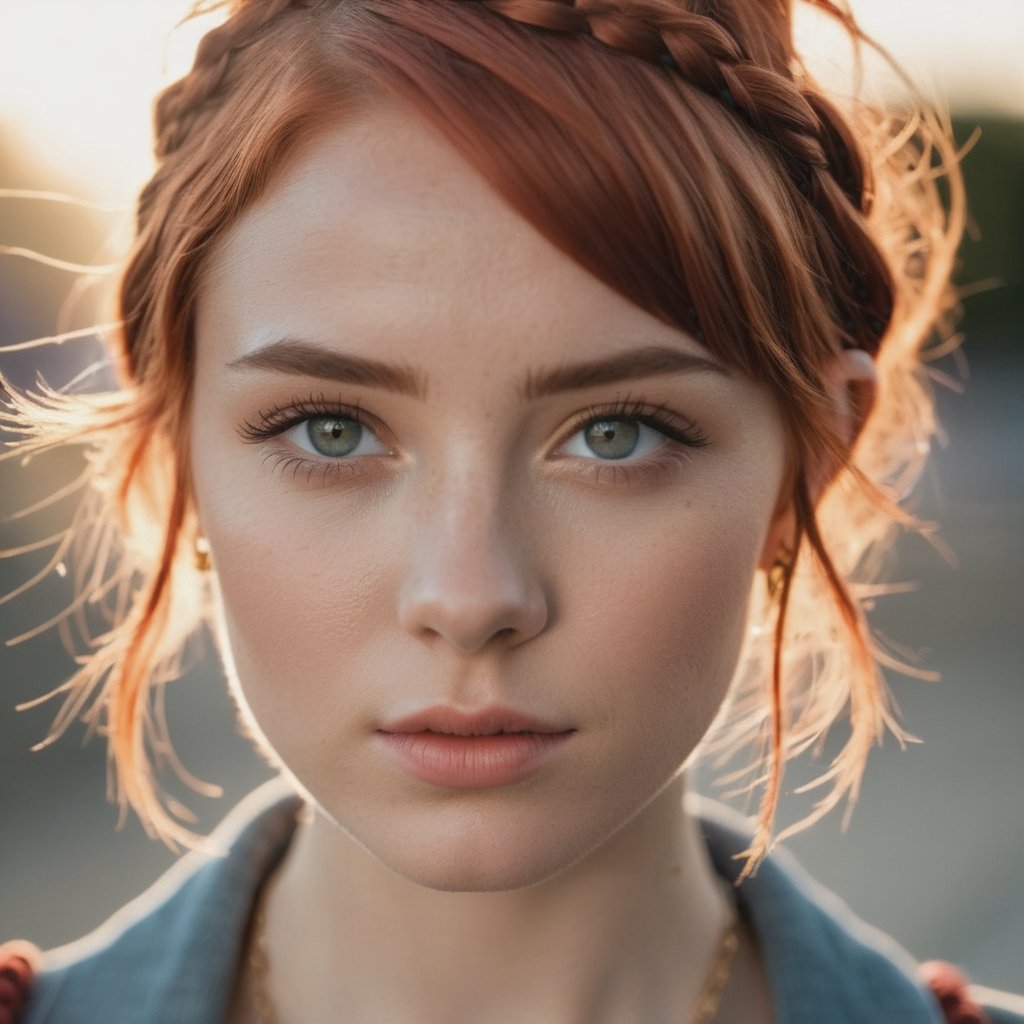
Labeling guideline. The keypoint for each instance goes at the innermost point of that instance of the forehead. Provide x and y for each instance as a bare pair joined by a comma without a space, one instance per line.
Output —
381,184
379,223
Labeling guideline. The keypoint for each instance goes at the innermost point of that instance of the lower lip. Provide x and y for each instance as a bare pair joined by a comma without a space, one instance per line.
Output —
472,762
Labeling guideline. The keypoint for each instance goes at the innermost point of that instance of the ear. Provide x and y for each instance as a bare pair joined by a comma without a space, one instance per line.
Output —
851,382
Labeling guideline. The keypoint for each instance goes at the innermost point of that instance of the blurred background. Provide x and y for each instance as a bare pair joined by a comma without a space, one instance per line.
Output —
933,852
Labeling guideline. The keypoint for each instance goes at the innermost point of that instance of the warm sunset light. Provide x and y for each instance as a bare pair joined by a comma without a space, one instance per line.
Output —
76,79
966,55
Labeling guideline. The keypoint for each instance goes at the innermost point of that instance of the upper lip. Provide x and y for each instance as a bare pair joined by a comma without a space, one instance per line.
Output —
484,722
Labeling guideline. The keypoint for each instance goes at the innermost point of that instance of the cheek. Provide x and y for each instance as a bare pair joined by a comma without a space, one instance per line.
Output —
667,611
285,605
293,617
300,587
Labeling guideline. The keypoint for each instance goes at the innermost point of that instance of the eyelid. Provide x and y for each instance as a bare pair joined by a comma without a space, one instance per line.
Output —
279,419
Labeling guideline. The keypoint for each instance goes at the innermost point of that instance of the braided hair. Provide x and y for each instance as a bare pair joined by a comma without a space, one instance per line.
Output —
681,152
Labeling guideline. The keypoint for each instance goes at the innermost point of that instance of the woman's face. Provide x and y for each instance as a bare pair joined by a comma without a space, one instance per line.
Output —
484,532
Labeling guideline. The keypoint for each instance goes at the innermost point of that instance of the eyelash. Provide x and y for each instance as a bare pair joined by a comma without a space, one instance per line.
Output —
271,423
279,418
683,435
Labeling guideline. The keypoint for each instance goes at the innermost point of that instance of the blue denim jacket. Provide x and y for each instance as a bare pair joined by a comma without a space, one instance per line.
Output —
170,956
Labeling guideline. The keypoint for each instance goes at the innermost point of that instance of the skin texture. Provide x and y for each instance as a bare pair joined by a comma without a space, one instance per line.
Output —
473,551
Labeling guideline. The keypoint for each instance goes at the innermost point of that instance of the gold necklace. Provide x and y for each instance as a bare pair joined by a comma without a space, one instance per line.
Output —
262,1007
704,1010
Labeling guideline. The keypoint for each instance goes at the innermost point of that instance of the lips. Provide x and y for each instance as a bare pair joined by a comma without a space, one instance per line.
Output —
454,749
450,721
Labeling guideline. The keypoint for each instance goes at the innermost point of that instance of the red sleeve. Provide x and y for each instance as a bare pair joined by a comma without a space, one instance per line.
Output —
18,961
950,987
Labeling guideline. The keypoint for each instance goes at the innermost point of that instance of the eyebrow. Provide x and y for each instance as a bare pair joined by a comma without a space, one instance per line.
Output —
306,359
651,361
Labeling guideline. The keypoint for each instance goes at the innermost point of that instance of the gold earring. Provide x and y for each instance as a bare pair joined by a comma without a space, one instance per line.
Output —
781,570
201,554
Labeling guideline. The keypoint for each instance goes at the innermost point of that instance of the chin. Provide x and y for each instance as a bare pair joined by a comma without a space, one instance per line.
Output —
459,873
495,848
523,869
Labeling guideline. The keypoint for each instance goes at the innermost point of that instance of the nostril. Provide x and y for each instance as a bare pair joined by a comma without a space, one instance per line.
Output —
470,610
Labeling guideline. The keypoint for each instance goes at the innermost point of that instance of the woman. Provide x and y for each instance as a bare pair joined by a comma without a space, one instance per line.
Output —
523,389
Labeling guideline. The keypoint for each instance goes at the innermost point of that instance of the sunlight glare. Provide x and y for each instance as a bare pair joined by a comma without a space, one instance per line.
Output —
966,56
77,80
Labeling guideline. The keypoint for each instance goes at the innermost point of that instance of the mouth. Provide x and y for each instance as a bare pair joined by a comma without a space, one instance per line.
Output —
447,721
453,749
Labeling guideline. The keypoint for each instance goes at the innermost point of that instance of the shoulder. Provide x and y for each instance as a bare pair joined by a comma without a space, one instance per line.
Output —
171,954
823,962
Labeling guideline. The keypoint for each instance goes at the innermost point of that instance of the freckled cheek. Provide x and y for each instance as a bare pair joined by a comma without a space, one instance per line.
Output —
301,594
277,598
667,612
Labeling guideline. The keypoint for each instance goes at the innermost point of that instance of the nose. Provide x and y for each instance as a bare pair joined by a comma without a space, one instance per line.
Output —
468,580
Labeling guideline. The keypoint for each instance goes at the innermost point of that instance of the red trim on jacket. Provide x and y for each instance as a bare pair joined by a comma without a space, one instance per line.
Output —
950,987
18,962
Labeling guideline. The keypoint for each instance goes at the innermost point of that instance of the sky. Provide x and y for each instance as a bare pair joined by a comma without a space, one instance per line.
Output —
76,78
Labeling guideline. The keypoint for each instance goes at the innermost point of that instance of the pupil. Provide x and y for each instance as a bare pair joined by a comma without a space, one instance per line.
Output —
613,439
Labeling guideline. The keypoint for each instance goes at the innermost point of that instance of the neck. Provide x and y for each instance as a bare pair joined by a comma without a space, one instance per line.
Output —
628,933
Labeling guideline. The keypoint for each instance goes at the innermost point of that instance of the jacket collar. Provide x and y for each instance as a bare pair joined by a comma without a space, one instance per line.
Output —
822,962
171,956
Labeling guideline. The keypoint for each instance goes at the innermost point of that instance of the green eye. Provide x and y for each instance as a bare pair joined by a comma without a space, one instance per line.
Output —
334,436
613,439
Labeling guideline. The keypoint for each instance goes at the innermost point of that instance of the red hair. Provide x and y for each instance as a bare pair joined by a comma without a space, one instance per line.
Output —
682,155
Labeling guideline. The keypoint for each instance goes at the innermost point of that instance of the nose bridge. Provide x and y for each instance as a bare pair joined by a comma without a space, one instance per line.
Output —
469,577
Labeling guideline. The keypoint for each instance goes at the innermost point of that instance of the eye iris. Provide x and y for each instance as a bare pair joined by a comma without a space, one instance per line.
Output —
334,436
613,439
